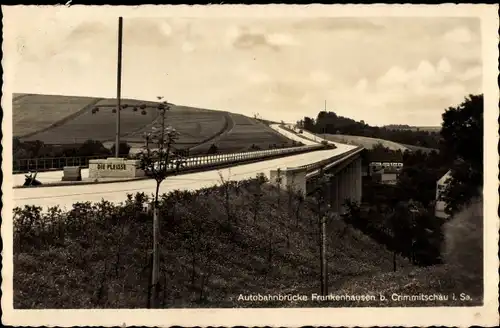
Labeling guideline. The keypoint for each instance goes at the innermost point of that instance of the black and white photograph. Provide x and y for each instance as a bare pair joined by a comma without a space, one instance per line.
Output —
250,165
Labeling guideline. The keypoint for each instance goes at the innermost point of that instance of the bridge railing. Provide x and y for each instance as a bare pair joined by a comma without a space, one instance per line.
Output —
192,162
50,163
234,158
326,162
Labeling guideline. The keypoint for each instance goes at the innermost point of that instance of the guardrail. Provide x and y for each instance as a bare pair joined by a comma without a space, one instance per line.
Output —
208,161
194,162
329,161
50,163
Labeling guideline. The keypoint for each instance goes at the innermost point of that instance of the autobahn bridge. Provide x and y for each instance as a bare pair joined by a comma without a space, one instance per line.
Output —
342,166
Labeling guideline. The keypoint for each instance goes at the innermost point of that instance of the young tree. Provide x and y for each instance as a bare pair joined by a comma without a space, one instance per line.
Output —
159,160
323,207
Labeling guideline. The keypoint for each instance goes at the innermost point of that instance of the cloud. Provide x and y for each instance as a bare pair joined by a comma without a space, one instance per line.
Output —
281,39
256,77
88,29
421,89
287,68
338,24
471,73
362,85
425,74
319,77
459,35
395,75
188,47
250,38
444,66
165,28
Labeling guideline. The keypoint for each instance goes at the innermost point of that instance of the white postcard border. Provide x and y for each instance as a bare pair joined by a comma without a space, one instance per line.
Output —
486,315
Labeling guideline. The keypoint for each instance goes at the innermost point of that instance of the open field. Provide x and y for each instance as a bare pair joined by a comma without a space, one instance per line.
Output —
366,142
415,148
99,126
33,113
69,120
207,258
195,125
243,133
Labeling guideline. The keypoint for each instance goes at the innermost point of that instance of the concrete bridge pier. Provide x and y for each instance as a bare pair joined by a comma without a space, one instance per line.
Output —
344,184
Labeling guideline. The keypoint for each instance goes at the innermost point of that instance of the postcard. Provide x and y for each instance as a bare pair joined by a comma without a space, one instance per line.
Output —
250,165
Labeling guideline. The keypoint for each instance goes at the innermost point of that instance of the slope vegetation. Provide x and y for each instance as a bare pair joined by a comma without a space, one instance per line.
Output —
213,249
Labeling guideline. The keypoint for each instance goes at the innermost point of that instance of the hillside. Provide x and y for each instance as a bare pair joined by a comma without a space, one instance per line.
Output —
412,128
417,148
32,113
208,259
366,142
331,123
61,120
242,131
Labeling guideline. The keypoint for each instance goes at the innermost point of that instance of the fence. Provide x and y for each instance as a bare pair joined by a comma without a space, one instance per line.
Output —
194,162
328,161
209,161
47,164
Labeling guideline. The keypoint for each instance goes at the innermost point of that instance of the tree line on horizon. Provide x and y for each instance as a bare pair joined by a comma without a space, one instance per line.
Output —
331,123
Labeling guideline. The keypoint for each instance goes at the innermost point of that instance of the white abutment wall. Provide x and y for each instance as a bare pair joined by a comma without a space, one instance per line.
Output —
345,184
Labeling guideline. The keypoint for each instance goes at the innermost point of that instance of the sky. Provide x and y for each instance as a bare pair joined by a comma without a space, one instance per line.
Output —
383,70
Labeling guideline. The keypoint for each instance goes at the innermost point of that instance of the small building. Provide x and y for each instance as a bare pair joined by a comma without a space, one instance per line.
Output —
441,205
393,168
383,166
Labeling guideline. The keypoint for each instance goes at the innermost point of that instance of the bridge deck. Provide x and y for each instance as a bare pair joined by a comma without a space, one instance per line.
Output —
65,196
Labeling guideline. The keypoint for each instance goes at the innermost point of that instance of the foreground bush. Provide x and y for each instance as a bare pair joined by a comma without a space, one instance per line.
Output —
239,238
463,249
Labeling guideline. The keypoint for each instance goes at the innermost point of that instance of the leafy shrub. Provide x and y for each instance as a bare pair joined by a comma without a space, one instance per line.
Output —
92,148
463,248
213,149
123,150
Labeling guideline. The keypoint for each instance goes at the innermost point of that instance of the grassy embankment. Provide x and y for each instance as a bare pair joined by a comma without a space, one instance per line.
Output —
216,244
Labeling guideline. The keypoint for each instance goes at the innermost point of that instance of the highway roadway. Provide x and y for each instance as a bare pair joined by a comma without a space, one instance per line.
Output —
65,196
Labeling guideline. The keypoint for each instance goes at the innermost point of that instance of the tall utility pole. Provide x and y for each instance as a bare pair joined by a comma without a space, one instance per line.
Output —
119,86
324,182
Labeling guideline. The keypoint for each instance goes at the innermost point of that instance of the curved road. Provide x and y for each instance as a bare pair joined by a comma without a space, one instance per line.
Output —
65,196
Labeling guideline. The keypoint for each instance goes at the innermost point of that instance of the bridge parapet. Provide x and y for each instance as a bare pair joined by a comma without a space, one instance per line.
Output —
303,178
329,162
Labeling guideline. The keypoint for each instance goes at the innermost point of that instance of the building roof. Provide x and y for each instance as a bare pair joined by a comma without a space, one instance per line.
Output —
392,157
443,179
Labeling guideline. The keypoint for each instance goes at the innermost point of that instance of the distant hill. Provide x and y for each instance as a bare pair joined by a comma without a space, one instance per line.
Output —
331,123
63,120
366,142
412,128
